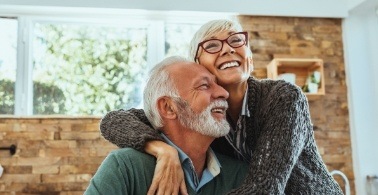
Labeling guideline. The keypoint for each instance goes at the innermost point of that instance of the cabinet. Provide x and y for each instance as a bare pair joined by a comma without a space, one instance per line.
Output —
303,71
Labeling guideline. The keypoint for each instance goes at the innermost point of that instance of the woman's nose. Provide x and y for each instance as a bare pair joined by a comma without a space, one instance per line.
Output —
227,49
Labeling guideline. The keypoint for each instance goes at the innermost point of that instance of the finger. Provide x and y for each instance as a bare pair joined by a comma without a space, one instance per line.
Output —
153,187
175,186
183,189
161,189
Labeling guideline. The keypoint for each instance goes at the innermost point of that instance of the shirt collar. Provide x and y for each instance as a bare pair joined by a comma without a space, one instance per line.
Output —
212,162
245,110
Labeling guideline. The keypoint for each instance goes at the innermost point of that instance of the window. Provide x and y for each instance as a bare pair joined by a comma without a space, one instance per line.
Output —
87,69
8,56
178,37
84,64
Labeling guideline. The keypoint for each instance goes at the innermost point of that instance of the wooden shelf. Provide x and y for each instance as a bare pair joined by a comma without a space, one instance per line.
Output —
302,68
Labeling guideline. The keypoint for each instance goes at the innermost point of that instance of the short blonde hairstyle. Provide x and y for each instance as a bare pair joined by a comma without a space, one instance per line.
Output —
208,30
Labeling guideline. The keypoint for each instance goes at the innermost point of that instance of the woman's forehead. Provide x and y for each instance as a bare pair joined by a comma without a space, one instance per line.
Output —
220,34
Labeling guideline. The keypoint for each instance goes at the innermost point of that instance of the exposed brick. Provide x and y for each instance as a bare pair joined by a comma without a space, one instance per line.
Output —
78,169
37,161
45,169
37,135
60,143
17,169
79,135
21,178
64,152
53,178
86,127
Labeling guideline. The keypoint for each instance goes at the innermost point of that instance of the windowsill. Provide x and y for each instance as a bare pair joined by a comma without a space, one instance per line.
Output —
49,117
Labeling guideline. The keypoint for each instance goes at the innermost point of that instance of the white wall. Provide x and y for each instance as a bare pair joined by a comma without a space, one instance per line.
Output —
361,48
307,8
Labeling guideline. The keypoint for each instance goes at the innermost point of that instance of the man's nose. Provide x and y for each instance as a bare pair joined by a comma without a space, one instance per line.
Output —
220,92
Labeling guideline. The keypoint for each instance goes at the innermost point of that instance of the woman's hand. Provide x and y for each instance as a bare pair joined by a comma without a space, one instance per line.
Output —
169,176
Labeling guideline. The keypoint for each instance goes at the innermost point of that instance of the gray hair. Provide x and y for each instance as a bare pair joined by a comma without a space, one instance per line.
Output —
158,85
209,29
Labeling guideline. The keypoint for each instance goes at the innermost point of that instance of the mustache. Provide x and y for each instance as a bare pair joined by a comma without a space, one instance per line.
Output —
217,104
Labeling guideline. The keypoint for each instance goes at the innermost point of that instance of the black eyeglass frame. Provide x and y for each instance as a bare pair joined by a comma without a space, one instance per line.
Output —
222,41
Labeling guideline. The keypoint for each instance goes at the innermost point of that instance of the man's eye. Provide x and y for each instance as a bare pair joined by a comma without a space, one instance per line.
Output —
204,86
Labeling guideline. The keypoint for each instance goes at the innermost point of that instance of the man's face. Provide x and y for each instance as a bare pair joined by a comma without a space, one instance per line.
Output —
202,106
203,122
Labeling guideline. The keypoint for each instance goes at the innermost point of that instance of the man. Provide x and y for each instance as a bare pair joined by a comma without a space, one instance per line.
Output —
184,102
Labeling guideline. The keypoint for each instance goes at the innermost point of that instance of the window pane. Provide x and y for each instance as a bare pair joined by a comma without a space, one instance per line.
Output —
178,37
82,69
8,64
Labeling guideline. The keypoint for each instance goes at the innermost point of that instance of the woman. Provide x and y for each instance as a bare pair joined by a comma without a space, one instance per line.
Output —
270,120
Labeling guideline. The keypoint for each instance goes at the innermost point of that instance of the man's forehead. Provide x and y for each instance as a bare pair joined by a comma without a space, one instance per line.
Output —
190,71
187,67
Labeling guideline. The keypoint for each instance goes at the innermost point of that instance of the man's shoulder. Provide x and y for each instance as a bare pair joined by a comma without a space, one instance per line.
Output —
129,152
233,171
132,156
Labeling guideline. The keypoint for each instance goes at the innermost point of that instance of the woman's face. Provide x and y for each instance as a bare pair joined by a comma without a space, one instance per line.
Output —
230,65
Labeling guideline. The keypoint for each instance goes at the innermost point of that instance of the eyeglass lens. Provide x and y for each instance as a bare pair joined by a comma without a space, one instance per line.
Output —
215,45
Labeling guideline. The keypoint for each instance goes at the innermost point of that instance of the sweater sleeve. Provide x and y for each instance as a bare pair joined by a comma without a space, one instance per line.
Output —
128,128
284,129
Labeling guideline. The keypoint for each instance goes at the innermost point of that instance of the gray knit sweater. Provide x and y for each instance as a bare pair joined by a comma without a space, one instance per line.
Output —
285,158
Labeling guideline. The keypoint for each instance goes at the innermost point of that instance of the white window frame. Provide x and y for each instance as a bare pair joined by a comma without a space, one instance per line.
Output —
27,17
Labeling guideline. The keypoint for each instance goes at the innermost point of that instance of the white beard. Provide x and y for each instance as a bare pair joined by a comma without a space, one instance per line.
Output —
203,122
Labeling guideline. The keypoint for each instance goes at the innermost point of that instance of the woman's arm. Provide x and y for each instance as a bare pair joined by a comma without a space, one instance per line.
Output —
131,128
285,127
128,128
168,176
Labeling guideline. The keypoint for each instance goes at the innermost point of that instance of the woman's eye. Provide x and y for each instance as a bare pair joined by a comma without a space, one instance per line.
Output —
211,45
236,40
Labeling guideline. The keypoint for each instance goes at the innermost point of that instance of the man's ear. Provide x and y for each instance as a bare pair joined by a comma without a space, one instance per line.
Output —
167,108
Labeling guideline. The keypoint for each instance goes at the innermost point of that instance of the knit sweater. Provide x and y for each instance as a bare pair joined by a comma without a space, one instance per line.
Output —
128,172
285,158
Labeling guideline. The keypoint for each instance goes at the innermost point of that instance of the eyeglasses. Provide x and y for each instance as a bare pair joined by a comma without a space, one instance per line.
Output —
216,45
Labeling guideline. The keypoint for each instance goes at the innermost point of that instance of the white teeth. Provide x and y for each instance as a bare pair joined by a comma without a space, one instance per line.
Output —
218,110
228,65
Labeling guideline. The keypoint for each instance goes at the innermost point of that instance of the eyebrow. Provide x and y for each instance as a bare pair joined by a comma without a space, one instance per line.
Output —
229,33
206,78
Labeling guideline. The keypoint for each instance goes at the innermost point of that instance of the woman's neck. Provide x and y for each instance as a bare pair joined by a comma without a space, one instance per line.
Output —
235,100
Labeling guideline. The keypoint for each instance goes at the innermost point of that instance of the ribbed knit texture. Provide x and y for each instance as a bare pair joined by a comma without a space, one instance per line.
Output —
285,158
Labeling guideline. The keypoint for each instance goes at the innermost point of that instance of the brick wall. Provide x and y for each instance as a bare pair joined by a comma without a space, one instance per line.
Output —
54,155
311,38
57,155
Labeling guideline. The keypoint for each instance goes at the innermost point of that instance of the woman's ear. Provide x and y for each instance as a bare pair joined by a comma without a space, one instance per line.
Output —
166,108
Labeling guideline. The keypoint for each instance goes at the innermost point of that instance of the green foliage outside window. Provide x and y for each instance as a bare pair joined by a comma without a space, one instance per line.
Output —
6,96
95,71
51,100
